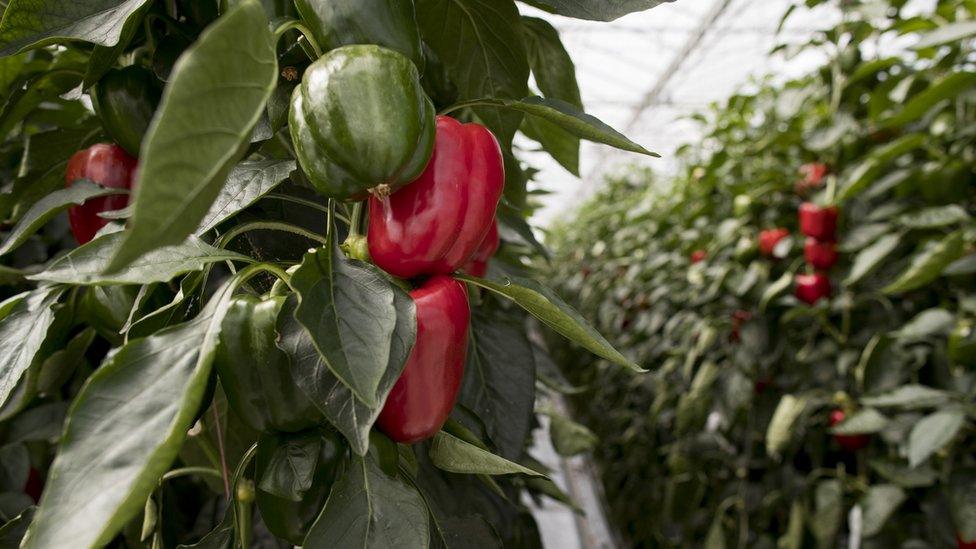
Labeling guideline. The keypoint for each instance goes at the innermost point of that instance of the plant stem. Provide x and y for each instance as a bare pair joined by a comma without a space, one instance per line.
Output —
190,471
300,27
220,447
356,221
472,103
230,235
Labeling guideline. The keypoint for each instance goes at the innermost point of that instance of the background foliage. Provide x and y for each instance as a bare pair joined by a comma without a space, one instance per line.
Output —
727,441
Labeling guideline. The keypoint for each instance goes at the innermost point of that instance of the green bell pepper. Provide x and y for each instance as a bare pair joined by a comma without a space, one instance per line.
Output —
295,473
255,374
126,99
360,122
388,23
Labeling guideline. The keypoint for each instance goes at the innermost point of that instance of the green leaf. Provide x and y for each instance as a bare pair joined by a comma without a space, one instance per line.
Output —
454,455
793,537
869,169
571,119
868,259
962,504
124,430
480,43
901,474
104,58
863,422
932,432
348,309
948,87
828,513
247,182
13,531
499,380
780,430
23,329
928,265
87,264
215,95
348,414
909,397
367,508
561,145
776,289
928,323
221,537
879,503
51,205
570,438
946,33
292,466
542,303
934,218
595,10
34,23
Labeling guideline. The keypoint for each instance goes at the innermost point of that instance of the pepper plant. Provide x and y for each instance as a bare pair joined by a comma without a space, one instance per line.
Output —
814,388
278,317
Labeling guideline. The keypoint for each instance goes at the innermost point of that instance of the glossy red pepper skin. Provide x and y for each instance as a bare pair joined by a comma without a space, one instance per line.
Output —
962,544
821,255
851,443
478,266
109,166
812,288
818,222
769,238
698,256
422,399
436,223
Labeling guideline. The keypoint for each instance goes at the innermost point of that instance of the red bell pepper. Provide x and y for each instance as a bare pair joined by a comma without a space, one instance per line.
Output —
818,222
963,544
436,223
109,166
478,266
851,443
698,256
769,238
422,399
34,485
811,288
821,255
814,173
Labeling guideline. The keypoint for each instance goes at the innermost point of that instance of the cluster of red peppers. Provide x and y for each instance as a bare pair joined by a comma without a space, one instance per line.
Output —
819,224
441,222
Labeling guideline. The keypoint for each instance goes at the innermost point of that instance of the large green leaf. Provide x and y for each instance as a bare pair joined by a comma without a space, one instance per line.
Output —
544,304
33,23
24,323
869,169
51,205
595,10
879,503
498,384
868,259
480,43
215,95
348,414
908,397
452,454
935,217
87,264
947,88
779,433
928,264
944,34
247,182
368,509
932,432
124,429
349,310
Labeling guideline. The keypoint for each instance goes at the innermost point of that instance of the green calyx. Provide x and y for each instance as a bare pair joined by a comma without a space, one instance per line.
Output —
388,23
126,100
360,121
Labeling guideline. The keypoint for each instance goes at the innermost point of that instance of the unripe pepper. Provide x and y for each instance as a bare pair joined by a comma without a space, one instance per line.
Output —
435,224
478,266
109,166
769,238
423,397
821,255
818,222
812,287
255,374
125,100
285,518
388,23
360,122
851,443
698,256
